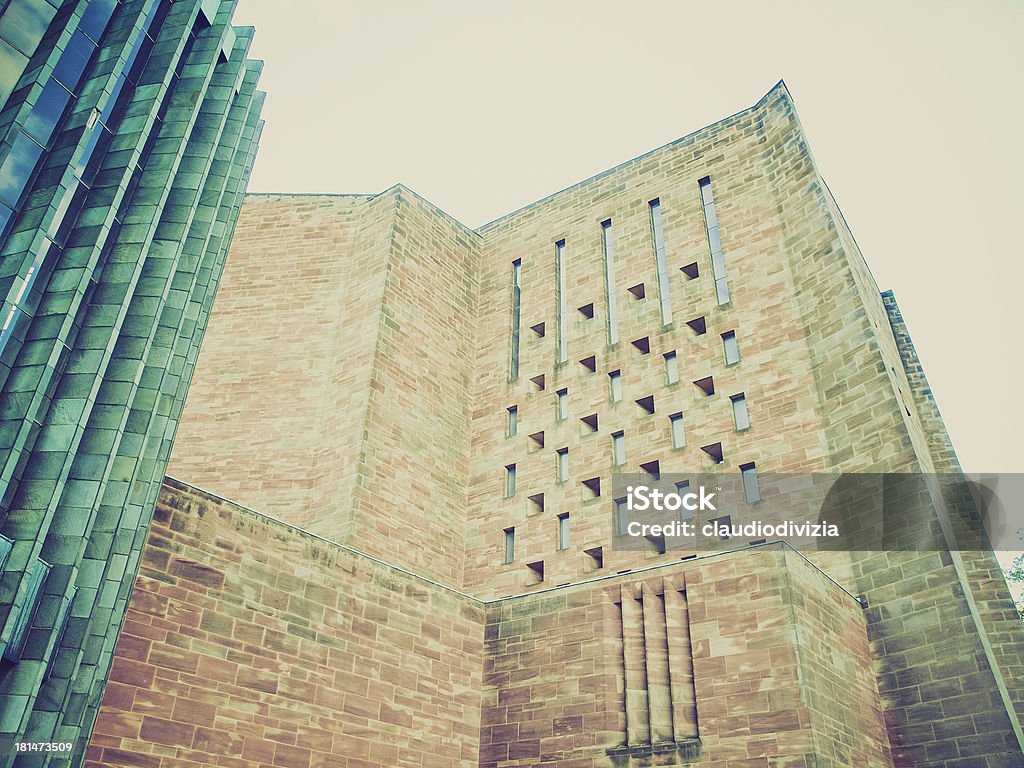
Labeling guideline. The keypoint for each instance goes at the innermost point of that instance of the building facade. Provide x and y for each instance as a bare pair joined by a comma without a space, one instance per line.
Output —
390,535
127,132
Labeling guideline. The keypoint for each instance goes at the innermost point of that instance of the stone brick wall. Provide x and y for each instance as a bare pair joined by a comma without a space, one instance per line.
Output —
251,643
780,665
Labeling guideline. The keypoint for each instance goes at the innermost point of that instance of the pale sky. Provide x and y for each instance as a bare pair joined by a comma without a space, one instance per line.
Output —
913,111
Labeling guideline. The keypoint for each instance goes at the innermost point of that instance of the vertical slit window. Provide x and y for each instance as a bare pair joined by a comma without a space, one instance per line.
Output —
609,282
615,383
563,464
751,490
563,404
510,480
618,448
516,311
23,617
678,430
671,368
513,421
739,412
714,241
563,531
621,517
561,317
661,259
510,545
731,348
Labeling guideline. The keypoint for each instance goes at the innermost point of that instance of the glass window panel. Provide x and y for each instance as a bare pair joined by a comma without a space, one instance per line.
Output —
510,545
563,531
710,218
621,517
23,618
705,192
718,264
609,282
47,112
678,430
73,61
561,316
661,262
739,412
714,240
510,480
563,464
96,17
615,380
671,368
17,168
618,448
516,306
722,291
751,491
732,348
563,404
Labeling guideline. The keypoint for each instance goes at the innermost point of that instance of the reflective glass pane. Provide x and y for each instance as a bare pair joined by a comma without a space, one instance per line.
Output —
17,168
710,217
714,240
722,291
705,192
96,17
73,61
47,112
751,491
718,264
739,412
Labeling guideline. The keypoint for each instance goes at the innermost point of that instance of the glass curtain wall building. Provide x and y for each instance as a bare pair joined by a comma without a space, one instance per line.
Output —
128,129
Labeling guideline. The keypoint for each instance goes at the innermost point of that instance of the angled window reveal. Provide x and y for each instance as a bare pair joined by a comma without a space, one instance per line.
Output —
714,241
671,368
740,416
513,421
561,316
563,531
562,403
510,480
618,448
731,348
516,311
615,385
510,545
562,455
751,489
609,282
661,260
678,430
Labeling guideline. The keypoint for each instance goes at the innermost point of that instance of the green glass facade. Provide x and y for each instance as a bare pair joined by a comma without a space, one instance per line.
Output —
128,129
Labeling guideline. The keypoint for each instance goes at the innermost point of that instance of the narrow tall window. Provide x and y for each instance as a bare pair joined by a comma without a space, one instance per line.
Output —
563,531
609,282
731,347
516,308
513,421
510,480
510,545
714,241
678,430
561,316
739,412
671,368
621,517
661,259
563,403
751,491
618,448
615,382
563,464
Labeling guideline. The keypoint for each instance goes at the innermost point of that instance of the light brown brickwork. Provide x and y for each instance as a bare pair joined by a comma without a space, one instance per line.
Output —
250,643
356,382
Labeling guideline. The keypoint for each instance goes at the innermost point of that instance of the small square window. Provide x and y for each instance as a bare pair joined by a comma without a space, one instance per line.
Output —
721,523
592,487
538,382
638,292
643,345
589,363
587,310
589,423
535,504
536,571
646,404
